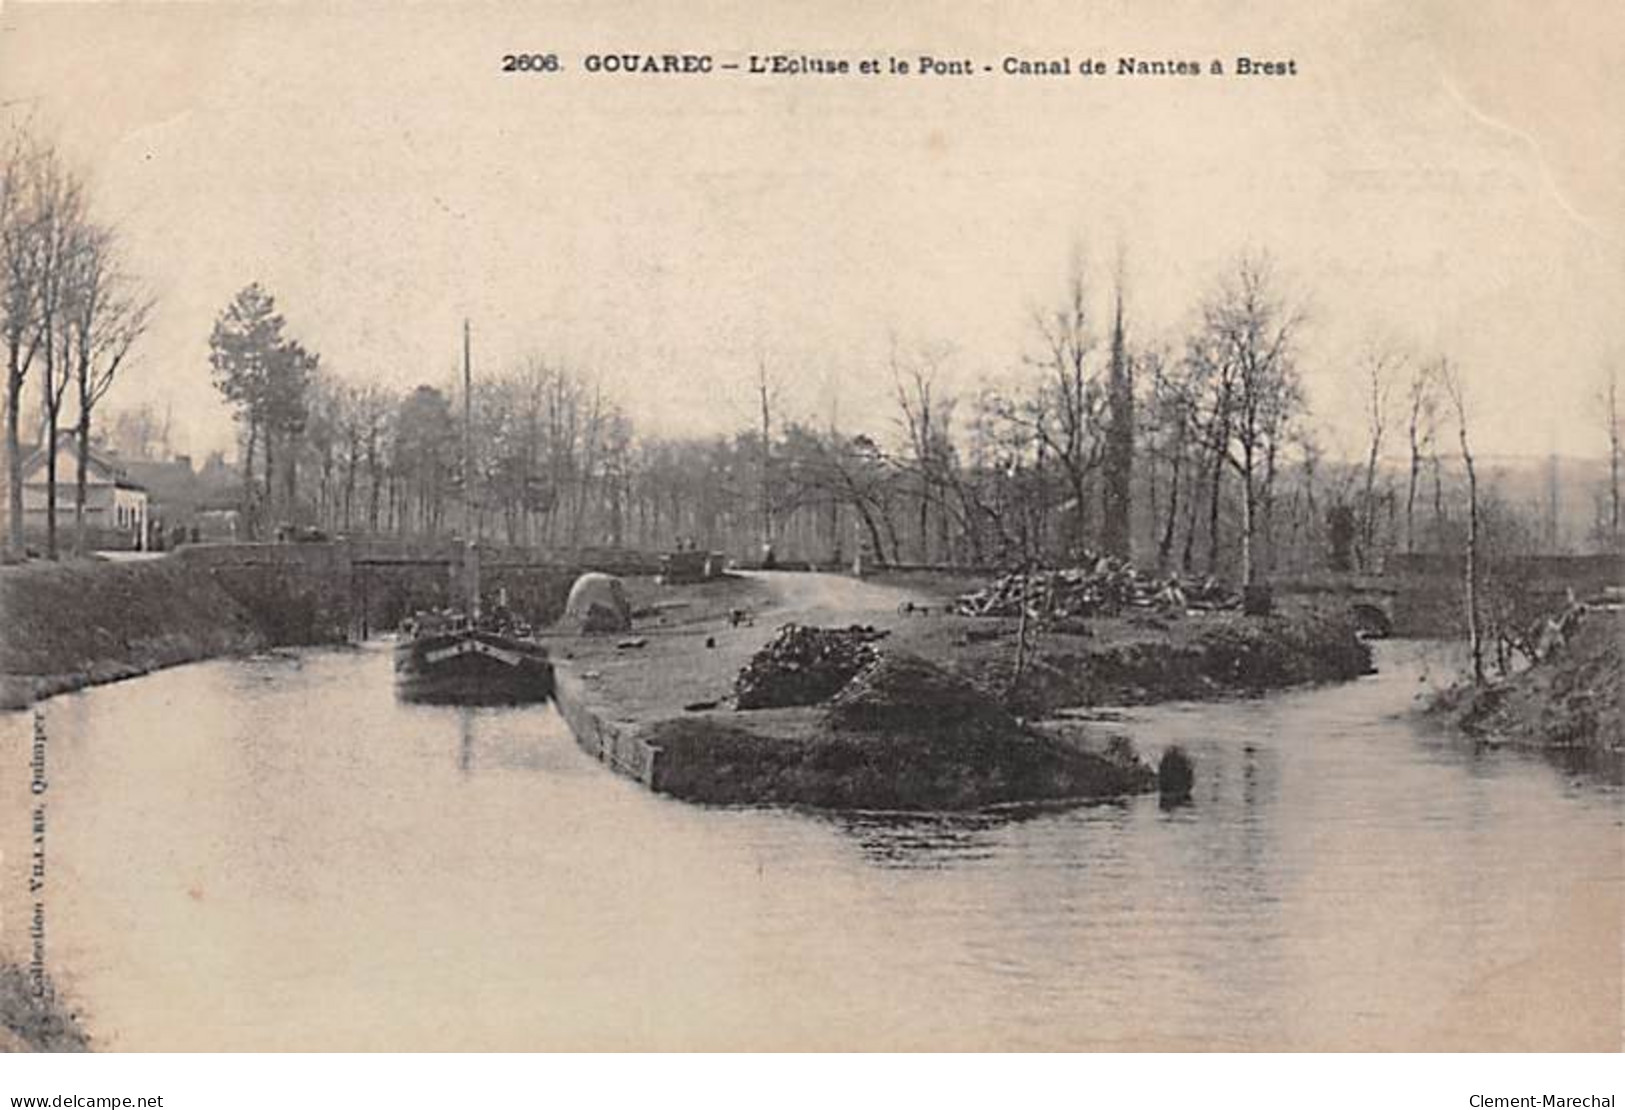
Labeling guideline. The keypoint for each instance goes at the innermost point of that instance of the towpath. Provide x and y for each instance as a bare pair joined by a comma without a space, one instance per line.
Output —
811,598
685,661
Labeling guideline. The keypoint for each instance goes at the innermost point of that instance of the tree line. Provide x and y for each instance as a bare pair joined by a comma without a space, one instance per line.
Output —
1191,455
1191,452
70,314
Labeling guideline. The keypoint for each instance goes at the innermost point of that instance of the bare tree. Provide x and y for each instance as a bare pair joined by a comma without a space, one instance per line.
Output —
856,472
1064,414
1450,379
1209,380
41,209
138,432
927,419
62,239
21,258
592,450
324,440
1421,427
1381,365
1309,448
104,318
1172,428
1251,333
766,396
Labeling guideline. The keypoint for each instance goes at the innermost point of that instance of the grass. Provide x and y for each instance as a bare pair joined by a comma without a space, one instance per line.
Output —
72,624
894,750
1573,702
1139,660
815,762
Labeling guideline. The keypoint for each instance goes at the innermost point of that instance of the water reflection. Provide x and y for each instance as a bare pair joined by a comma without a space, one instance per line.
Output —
465,736
926,841
290,859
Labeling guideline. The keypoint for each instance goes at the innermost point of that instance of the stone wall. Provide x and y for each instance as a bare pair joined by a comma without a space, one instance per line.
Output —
311,593
293,593
615,743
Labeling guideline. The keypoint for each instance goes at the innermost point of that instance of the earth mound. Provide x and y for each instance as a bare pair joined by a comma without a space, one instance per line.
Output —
900,690
804,665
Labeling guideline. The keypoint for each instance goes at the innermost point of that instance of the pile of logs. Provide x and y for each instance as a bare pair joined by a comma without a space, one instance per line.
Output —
1104,586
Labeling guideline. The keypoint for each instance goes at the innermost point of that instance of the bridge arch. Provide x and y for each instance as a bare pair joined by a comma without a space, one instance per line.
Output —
1372,620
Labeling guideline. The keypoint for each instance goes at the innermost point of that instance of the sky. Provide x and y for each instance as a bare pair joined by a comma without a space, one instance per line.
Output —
1445,175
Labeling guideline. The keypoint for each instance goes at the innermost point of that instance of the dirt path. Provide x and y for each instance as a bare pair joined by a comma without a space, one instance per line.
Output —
696,661
810,598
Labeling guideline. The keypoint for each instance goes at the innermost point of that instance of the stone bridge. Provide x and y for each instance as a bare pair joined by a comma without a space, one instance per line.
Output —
305,593
1373,600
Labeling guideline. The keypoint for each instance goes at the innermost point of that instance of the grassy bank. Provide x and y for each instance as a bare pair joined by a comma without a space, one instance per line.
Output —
942,725
32,1024
903,734
1123,661
829,768
68,625
1572,702
1135,659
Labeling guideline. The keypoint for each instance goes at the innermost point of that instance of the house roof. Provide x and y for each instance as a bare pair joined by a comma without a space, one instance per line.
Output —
99,461
170,480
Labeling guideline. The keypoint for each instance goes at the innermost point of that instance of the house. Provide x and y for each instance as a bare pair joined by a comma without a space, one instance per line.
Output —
172,498
171,485
186,504
116,507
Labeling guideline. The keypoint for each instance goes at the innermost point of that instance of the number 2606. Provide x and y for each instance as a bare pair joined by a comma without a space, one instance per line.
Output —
530,63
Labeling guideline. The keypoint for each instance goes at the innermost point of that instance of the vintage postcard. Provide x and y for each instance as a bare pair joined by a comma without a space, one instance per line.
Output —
832,526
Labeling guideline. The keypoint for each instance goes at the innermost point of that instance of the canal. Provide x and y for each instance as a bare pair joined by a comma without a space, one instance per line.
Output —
273,854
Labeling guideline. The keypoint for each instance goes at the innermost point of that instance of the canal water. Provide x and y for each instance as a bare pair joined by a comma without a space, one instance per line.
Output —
273,854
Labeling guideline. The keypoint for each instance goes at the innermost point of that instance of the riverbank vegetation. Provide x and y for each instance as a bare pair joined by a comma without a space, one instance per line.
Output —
30,1022
1130,656
1128,661
73,624
1572,700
